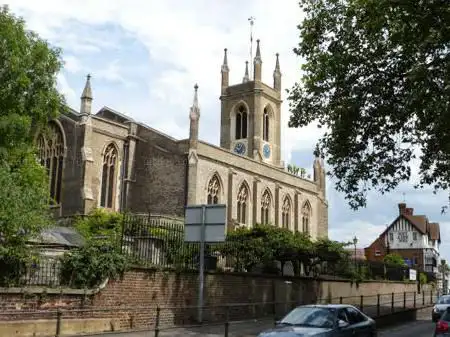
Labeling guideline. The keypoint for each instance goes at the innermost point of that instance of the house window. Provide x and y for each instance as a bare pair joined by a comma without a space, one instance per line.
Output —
213,190
242,202
109,171
414,236
377,253
51,155
266,125
241,123
265,207
391,236
286,213
306,215
403,236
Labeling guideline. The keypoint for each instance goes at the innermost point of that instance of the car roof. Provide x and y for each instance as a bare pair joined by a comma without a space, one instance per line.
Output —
328,306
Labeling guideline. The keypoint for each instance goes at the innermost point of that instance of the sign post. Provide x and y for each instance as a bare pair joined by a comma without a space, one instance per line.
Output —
204,223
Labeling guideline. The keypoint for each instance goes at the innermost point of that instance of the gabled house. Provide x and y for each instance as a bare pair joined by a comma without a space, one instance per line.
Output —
411,236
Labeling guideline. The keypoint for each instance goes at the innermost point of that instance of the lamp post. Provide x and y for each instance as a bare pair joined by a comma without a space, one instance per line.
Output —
355,241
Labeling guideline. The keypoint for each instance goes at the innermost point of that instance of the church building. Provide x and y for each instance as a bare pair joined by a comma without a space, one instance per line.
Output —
109,160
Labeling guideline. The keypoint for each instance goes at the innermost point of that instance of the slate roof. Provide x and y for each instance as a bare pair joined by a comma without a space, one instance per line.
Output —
60,236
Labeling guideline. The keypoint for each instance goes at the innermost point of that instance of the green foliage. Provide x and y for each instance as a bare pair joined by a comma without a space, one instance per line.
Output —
101,225
298,171
90,265
423,279
101,257
28,94
394,260
28,99
376,76
264,244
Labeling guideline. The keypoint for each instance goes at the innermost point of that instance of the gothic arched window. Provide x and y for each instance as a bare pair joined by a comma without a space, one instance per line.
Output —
306,217
242,204
266,125
241,122
266,202
286,213
51,155
109,170
213,190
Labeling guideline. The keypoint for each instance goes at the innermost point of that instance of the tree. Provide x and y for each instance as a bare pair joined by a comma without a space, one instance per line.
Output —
377,77
394,260
28,99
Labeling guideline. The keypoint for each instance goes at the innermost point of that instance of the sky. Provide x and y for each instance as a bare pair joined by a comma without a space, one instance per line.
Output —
145,56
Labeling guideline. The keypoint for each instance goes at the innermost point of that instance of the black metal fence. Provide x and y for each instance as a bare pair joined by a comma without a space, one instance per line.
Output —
159,242
153,241
225,319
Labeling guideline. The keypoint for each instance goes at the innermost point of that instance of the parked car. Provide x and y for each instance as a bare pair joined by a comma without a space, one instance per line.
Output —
442,303
442,324
324,320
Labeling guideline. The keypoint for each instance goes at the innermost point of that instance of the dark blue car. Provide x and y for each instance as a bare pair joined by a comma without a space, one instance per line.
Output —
327,320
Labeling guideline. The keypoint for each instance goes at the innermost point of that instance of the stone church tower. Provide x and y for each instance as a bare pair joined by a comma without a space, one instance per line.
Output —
109,160
251,113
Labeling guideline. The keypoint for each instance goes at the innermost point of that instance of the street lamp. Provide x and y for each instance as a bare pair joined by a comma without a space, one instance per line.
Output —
355,241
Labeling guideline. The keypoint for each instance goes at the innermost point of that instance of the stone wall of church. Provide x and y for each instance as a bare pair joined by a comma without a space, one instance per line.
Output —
105,132
159,177
234,170
73,170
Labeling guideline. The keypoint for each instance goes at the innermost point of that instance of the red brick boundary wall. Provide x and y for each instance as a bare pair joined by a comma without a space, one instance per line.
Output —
140,291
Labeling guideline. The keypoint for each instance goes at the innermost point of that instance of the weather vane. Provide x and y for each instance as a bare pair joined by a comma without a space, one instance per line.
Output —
252,21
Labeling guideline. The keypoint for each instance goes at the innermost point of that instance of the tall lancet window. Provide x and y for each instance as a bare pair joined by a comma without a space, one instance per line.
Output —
213,190
51,155
266,202
266,125
241,122
109,171
242,204
286,213
306,217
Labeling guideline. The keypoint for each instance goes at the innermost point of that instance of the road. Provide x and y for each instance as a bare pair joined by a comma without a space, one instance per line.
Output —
419,328
423,327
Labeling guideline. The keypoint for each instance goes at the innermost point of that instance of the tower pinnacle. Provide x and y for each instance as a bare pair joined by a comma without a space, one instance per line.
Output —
246,76
257,63
86,97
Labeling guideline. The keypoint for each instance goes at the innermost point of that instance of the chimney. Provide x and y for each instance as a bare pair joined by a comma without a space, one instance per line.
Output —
409,211
401,208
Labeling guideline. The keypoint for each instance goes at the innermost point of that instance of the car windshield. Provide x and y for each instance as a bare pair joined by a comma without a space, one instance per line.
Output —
310,316
444,300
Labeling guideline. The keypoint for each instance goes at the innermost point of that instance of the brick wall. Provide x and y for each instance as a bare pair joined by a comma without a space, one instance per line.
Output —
139,292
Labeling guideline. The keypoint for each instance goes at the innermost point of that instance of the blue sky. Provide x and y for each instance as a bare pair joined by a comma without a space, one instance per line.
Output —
146,56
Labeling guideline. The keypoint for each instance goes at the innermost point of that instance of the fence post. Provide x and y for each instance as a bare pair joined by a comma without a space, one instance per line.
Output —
392,302
340,300
58,322
158,315
423,297
431,296
404,300
227,320
378,305
414,299
361,303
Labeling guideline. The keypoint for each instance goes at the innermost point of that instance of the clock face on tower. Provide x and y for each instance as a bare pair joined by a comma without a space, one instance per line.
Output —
239,148
266,151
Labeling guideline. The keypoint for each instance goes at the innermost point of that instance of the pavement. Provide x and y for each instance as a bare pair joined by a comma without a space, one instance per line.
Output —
422,327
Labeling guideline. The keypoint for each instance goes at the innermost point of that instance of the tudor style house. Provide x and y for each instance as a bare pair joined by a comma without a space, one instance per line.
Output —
411,236
107,159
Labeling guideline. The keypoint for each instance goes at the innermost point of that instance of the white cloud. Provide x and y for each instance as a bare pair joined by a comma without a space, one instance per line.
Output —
190,37
364,231
65,89
72,64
